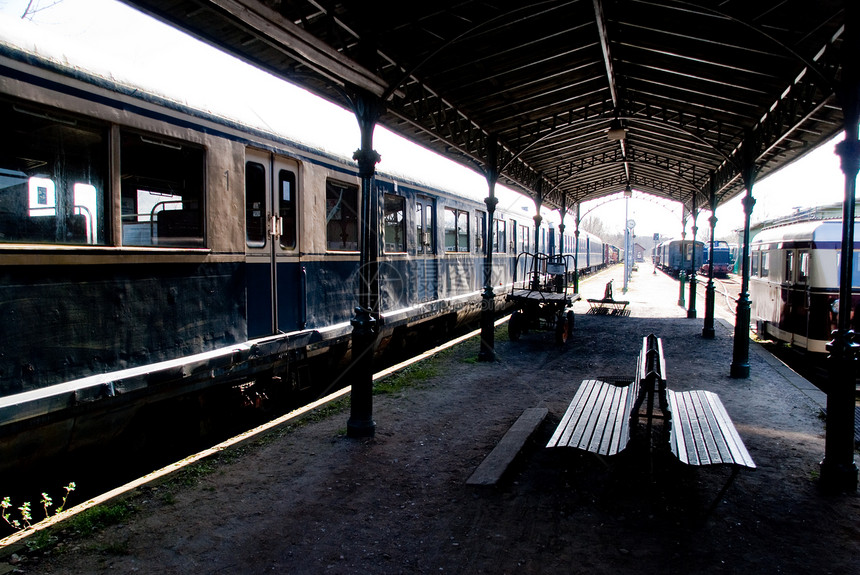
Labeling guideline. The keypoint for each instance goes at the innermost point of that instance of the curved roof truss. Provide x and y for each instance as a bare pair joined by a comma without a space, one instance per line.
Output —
698,90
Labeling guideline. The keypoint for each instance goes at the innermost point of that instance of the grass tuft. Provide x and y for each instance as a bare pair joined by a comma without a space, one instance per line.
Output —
99,517
412,376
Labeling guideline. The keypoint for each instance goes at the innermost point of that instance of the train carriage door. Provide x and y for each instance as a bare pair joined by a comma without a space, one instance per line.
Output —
427,274
273,278
800,297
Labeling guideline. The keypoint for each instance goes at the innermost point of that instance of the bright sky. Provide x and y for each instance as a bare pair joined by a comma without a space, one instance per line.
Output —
129,46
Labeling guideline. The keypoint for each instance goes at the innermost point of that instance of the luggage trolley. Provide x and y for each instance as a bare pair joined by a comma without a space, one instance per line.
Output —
542,298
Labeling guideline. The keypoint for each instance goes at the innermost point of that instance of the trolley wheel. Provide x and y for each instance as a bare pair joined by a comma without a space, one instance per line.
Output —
570,322
562,329
515,325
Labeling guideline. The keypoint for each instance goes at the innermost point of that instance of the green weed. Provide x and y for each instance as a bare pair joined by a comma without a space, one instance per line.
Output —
25,510
97,518
41,541
412,376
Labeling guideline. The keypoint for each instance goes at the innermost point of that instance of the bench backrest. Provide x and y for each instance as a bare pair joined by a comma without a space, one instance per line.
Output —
651,363
650,377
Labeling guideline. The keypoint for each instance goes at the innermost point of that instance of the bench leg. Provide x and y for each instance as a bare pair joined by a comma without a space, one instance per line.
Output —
722,492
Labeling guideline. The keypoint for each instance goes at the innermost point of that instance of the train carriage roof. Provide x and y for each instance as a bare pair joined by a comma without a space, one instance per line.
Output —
580,98
829,231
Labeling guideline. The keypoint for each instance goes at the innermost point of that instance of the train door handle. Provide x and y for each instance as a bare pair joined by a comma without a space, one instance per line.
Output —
303,318
277,226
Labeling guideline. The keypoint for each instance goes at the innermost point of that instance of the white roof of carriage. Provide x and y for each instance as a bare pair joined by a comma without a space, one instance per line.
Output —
813,230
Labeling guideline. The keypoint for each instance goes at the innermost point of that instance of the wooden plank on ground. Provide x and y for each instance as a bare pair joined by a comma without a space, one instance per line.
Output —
496,463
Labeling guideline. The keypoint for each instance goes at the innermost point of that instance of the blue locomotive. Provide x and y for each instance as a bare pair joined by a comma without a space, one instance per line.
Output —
721,259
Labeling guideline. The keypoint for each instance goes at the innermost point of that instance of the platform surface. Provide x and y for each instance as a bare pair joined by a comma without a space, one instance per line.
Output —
309,500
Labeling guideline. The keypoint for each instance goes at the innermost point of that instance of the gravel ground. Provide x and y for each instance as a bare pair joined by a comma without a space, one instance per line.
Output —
306,499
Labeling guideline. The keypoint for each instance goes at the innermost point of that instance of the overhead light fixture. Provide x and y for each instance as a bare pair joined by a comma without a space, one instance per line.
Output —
616,130
628,193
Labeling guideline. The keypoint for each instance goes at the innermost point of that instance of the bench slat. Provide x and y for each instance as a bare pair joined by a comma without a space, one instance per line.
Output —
573,414
681,434
621,416
596,419
583,433
702,432
606,421
739,451
717,445
705,444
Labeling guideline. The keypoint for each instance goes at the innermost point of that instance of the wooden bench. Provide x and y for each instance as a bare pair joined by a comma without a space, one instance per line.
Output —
608,305
602,415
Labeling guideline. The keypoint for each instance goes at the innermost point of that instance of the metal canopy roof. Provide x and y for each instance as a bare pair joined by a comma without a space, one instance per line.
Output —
693,86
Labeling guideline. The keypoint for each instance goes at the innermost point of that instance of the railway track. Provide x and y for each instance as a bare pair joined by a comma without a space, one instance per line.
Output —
727,290
814,369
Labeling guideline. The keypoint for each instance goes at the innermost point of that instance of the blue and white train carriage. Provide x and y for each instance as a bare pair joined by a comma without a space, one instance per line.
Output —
150,250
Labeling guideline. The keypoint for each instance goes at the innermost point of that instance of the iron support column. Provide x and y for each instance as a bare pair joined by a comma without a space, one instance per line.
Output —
691,311
365,323
576,253
562,211
710,292
535,285
740,367
682,302
487,351
626,242
838,468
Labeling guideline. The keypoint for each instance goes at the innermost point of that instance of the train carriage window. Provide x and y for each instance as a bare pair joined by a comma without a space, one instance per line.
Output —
494,233
499,235
524,238
255,205
480,231
456,230
162,191
765,264
53,173
754,257
419,227
463,232
789,266
341,216
395,223
287,202
855,269
450,224
424,225
802,267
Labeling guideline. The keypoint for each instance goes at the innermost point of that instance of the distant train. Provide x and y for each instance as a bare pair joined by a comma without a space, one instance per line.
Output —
150,250
612,254
734,250
794,282
721,258
675,256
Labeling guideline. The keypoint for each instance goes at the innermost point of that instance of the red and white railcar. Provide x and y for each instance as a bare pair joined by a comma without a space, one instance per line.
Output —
794,282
